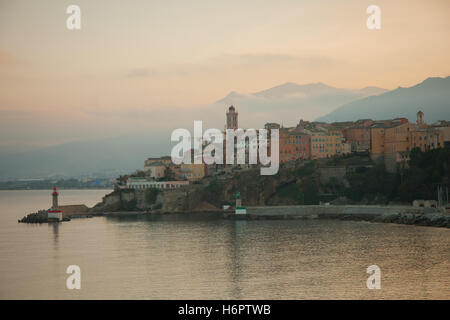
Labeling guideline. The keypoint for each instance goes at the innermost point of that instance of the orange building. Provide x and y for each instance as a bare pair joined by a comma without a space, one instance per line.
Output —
397,137
389,136
294,145
358,135
392,140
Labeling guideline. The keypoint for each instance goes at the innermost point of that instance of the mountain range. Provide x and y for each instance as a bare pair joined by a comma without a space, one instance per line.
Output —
291,101
432,96
285,104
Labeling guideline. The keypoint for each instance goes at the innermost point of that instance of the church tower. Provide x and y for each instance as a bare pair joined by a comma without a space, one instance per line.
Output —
232,118
420,121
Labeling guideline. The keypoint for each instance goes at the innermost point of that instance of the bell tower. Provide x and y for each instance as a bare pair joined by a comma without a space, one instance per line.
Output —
232,118
420,121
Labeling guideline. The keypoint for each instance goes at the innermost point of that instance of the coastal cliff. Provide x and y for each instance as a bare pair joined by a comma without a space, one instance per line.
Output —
209,195
353,180
337,182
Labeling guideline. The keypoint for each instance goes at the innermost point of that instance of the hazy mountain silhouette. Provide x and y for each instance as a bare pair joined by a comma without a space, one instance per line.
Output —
432,96
292,90
108,157
291,101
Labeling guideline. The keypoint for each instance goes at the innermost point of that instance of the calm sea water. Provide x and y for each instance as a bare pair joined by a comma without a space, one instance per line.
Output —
204,257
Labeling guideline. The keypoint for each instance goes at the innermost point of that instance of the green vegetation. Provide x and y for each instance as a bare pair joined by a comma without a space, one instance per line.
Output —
347,160
290,191
212,192
310,192
306,192
305,170
128,205
371,183
426,171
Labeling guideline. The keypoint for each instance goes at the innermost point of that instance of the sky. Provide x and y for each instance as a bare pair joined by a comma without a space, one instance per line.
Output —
146,65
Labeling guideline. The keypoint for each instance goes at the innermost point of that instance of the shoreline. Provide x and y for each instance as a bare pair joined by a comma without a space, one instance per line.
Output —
406,215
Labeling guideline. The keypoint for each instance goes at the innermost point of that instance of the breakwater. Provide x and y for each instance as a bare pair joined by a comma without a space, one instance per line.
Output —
389,214
38,217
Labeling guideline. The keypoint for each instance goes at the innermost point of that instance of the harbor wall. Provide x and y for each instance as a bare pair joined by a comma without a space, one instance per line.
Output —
324,211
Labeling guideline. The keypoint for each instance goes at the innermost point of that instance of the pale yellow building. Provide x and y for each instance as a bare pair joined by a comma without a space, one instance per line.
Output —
328,143
192,172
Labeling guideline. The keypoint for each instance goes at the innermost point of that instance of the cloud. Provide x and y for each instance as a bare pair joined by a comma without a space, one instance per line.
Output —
276,59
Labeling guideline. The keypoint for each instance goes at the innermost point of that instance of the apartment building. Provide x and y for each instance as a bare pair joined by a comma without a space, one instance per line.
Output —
294,145
327,143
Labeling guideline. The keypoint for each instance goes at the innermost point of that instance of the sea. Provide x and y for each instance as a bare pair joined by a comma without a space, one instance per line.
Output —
203,256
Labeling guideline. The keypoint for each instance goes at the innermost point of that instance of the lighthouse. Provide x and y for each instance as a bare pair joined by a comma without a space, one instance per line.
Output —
239,209
54,214
55,199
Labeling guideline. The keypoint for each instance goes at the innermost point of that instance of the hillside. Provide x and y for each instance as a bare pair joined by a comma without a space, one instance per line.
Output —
344,180
432,96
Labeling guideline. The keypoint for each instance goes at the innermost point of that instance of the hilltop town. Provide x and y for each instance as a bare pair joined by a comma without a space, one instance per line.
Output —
387,142
362,162
367,163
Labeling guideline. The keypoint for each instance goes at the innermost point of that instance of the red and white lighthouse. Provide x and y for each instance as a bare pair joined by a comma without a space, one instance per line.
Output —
54,214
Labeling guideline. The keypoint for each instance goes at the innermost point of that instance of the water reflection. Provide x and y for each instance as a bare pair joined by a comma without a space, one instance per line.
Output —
55,228
206,257
238,240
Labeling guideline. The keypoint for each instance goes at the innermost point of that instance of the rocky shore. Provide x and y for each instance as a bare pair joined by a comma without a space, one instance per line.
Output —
38,217
429,219
437,219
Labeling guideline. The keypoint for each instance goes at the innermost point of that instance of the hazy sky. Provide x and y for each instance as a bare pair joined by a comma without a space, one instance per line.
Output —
147,63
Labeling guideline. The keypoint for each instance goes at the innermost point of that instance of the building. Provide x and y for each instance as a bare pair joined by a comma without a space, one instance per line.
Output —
392,140
232,118
142,183
377,131
420,122
443,128
165,160
193,171
156,170
358,135
269,126
232,124
397,137
328,143
426,138
294,145
73,210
